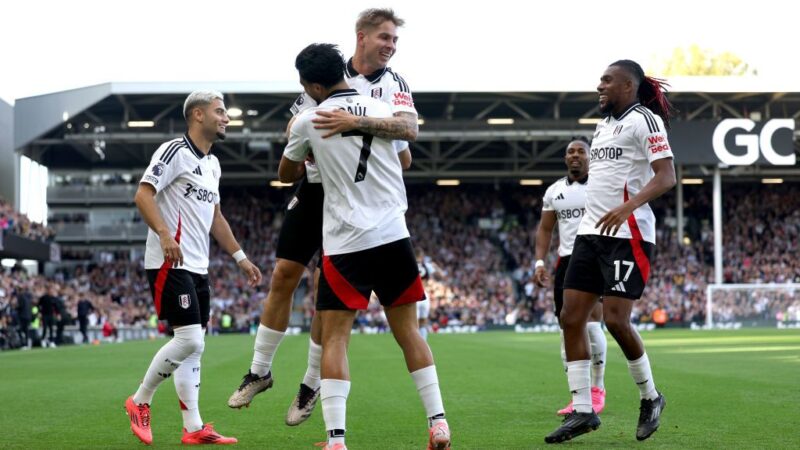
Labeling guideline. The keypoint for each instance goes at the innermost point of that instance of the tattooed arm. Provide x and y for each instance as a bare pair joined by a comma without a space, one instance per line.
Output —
402,126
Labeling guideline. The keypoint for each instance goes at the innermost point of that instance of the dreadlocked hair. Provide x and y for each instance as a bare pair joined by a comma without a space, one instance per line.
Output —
652,91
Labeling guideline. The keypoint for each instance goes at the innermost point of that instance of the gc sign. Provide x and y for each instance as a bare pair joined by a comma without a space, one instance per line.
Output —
751,142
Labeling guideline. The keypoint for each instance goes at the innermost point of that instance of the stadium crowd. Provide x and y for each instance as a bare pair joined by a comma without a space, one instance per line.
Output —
14,222
480,240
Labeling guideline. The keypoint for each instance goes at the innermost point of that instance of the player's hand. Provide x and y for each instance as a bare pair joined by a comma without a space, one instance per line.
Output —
172,250
610,223
337,121
540,277
252,272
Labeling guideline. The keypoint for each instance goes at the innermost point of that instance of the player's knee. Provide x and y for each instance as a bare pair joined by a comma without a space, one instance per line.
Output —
200,346
334,340
570,320
408,335
285,276
190,339
617,324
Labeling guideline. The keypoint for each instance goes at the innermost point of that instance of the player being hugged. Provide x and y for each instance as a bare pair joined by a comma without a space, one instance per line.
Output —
630,162
365,241
300,238
178,198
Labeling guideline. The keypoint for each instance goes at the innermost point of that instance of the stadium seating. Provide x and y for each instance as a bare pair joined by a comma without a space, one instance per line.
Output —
482,239
14,222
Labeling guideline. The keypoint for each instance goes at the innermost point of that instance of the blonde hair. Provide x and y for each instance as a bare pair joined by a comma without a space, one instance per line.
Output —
373,17
199,98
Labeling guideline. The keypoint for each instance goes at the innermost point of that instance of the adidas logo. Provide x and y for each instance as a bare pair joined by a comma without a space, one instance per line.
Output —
619,287
197,171
560,196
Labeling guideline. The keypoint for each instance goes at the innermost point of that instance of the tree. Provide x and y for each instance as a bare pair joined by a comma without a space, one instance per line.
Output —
696,61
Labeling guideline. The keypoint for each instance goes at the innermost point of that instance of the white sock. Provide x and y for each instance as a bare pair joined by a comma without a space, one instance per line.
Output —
598,344
187,385
267,342
423,331
427,383
187,340
334,408
563,351
580,383
643,377
311,379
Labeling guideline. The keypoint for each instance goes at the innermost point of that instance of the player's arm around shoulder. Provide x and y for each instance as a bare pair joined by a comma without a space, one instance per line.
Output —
292,167
222,232
400,126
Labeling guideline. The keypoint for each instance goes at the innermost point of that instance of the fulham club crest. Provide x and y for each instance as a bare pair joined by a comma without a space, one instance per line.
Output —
618,130
184,301
377,93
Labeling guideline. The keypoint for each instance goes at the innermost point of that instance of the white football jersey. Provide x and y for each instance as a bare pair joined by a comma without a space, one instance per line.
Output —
568,200
187,190
619,161
384,85
365,197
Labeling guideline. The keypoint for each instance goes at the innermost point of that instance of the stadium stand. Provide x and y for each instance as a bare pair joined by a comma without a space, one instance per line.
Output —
480,237
14,222
479,234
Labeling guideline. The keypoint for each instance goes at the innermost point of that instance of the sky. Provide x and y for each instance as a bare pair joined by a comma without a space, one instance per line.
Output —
494,45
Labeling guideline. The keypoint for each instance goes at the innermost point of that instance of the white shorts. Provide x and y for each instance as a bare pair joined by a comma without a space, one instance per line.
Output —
424,309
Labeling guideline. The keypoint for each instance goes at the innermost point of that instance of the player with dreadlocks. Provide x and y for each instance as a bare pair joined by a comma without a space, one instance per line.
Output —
630,161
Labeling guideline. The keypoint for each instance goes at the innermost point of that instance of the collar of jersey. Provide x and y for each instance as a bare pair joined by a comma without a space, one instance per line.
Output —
627,111
198,153
579,180
372,77
342,93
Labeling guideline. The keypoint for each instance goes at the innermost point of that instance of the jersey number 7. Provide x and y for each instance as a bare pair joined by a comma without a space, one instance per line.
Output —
366,144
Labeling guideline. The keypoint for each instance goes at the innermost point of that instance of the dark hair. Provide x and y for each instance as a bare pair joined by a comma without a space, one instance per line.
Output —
581,138
652,91
320,63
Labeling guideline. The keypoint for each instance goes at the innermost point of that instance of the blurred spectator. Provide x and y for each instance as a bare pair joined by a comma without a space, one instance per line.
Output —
481,239
24,315
47,310
63,320
84,307
19,224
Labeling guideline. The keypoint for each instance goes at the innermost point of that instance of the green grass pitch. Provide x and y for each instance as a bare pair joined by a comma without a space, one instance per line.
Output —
724,389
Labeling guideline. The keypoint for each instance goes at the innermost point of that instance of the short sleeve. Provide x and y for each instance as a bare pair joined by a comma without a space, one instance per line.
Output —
302,103
652,137
298,146
218,175
547,200
399,146
164,165
399,95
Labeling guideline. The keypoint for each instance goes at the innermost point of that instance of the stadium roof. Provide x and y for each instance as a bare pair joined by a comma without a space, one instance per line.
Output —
91,128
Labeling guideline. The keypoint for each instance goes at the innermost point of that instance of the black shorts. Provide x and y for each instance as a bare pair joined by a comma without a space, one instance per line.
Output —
609,266
390,270
301,233
181,297
558,283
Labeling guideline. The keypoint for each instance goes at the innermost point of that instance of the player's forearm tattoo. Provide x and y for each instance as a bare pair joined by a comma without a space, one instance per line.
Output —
401,127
